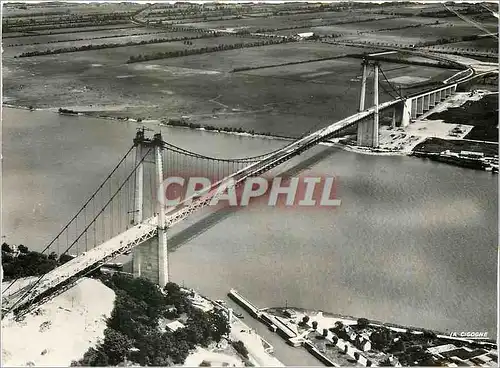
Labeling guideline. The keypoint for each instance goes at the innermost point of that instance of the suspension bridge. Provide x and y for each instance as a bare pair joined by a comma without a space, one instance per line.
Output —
119,218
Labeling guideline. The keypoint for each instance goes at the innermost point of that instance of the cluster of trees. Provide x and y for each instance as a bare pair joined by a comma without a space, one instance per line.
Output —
240,347
39,14
67,111
308,10
203,50
245,68
409,348
445,40
400,27
182,123
24,263
200,14
109,45
9,28
72,18
132,332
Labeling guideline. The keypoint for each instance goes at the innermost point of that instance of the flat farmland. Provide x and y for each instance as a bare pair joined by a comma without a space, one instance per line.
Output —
354,28
285,20
417,9
337,72
16,50
262,56
412,36
75,30
282,21
91,34
287,100
120,55
277,98
68,8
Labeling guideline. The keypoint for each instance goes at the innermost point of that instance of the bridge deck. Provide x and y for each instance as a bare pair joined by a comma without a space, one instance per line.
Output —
139,233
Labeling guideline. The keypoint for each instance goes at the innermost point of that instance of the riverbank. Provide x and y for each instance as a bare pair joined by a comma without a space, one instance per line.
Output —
348,341
419,135
260,352
62,330
342,340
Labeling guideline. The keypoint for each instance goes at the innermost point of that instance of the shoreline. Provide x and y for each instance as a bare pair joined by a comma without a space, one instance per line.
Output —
389,325
240,331
335,142
331,143
301,328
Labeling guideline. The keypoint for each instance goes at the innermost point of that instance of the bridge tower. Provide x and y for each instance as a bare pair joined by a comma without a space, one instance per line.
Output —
367,134
150,259
362,126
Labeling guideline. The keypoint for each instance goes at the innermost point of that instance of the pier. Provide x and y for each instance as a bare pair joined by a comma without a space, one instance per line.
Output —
274,323
244,303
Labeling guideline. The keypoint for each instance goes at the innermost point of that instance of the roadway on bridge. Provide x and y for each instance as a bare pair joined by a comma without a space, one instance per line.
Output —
139,233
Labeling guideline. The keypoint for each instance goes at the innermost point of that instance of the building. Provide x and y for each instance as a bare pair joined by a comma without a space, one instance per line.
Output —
290,313
174,326
304,36
363,344
471,154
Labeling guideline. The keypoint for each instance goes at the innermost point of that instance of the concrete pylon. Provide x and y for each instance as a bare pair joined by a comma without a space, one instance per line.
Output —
375,102
432,101
363,87
138,196
163,276
426,102
362,125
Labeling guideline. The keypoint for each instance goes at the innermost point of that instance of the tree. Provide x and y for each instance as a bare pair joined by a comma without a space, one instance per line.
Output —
429,335
22,248
220,326
240,347
305,319
325,332
116,345
315,325
6,248
65,258
93,358
363,322
385,363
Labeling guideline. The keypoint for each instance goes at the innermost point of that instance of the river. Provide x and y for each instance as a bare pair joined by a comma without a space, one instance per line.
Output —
414,242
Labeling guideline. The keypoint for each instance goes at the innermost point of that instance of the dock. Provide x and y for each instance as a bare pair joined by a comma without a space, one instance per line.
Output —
245,304
272,322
